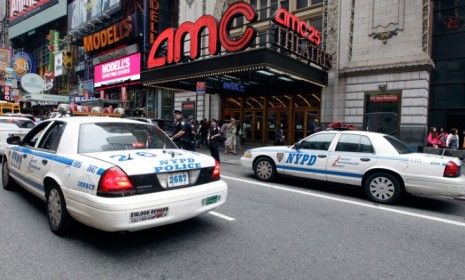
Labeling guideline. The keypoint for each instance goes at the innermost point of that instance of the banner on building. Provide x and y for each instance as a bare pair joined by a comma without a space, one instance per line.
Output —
22,9
124,69
58,69
82,11
5,58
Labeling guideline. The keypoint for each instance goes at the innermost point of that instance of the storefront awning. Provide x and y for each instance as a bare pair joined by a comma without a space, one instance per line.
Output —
256,71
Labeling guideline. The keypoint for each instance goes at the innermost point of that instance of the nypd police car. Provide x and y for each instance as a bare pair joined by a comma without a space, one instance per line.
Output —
111,174
383,165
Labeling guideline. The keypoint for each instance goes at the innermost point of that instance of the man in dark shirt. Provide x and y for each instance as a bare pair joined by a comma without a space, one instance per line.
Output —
182,134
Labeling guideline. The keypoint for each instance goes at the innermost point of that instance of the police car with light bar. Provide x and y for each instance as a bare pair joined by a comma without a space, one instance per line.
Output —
111,174
382,165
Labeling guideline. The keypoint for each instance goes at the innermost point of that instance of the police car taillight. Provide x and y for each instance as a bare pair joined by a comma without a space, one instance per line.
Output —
216,171
451,170
115,182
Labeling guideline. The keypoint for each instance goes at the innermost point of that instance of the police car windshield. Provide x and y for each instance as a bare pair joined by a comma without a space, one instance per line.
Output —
400,146
106,136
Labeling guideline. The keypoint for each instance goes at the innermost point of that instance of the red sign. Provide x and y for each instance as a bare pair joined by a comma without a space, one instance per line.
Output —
384,98
175,37
201,87
285,18
453,23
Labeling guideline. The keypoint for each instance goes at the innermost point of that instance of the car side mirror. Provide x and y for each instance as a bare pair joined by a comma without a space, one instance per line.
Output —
14,140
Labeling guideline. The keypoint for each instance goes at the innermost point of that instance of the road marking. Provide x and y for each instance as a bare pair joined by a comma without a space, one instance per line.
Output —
347,201
227,218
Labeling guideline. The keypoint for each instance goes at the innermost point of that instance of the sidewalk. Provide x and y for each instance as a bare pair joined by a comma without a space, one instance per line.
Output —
228,159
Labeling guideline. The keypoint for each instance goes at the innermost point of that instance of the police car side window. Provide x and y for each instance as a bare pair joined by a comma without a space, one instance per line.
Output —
52,137
31,138
354,143
318,142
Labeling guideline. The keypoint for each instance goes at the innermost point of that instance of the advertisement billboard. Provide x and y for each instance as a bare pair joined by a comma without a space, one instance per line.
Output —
81,11
124,69
21,9
5,57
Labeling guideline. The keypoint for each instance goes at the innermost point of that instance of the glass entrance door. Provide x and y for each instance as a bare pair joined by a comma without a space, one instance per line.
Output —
276,120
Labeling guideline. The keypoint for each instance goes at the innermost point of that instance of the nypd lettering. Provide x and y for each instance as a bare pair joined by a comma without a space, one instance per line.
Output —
301,159
177,164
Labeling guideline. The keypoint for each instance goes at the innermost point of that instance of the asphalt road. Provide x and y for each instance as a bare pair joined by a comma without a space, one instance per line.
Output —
290,229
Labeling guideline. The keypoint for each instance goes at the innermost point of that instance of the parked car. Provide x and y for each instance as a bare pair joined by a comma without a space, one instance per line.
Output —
382,165
10,126
112,174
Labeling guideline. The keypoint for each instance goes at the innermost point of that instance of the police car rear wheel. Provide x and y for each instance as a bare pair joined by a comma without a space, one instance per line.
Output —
7,182
57,215
383,188
264,169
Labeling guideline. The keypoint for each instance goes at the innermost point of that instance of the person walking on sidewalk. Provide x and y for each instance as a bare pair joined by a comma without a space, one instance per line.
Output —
214,138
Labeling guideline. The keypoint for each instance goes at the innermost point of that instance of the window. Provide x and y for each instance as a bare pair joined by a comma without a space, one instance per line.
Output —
99,137
318,142
354,143
52,137
31,138
400,146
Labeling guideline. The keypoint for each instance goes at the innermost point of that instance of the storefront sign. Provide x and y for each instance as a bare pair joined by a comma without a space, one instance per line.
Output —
5,58
109,36
46,97
200,87
83,99
293,34
116,53
234,86
384,98
124,69
22,64
32,83
21,9
174,38
58,64
284,18
154,15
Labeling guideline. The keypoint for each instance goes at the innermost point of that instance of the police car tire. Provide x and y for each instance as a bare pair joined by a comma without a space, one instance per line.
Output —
7,181
264,162
55,204
387,184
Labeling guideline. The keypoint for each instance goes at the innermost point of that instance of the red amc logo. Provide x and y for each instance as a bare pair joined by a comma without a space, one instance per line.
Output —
216,34
284,18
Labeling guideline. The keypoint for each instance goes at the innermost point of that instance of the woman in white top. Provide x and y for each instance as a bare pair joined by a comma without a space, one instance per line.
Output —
452,141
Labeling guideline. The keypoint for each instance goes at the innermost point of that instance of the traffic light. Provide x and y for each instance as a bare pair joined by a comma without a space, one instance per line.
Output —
68,59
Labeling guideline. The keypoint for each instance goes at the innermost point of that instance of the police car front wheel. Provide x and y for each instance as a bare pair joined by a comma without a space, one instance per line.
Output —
7,181
57,215
265,169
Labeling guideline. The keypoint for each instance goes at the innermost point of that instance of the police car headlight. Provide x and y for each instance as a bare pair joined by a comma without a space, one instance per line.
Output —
247,154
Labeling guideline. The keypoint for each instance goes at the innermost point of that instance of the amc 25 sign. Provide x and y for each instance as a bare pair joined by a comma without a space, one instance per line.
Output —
219,36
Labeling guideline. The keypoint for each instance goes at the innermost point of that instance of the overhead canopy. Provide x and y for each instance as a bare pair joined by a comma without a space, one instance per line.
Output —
256,71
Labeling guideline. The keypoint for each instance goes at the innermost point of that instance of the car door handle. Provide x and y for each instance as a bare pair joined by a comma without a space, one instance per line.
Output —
44,161
322,156
365,159
24,155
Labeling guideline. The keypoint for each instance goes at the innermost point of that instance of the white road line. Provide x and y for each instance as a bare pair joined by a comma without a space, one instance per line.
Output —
347,201
227,218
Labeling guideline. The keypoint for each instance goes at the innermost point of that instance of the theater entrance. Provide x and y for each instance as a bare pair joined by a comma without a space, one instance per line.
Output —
262,116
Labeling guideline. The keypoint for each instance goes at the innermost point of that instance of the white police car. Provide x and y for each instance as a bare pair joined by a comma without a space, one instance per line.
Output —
383,165
111,174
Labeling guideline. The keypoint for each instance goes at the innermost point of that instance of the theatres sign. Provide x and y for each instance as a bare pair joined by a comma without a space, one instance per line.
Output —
21,9
292,32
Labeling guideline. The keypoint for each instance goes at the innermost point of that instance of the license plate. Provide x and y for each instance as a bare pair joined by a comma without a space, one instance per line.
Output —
210,200
178,179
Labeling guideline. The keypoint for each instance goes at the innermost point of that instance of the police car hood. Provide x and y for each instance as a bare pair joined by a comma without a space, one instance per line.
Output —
148,161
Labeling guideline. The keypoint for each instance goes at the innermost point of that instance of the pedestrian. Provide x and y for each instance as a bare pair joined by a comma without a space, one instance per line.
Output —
182,133
314,126
238,135
231,138
442,138
279,135
452,141
432,138
214,138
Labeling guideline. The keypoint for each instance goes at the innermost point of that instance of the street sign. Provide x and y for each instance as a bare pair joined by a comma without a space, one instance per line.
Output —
200,87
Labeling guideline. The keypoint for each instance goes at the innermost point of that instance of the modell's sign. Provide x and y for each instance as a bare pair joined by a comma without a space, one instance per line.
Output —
19,9
291,32
109,36
124,69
